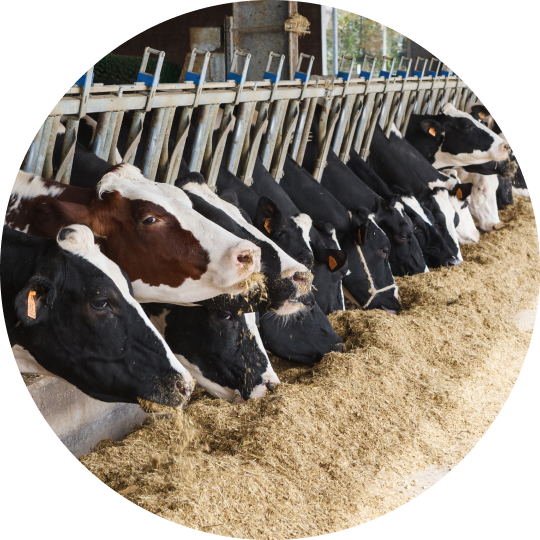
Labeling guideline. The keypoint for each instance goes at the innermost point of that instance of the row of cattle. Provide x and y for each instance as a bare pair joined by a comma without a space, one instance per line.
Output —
223,278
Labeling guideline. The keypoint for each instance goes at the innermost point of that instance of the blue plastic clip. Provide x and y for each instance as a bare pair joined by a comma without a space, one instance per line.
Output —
301,76
417,73
193,77
432,73
401,74
384,74
344,75
365,74
272,76
82,80
145,78
444,73
236,77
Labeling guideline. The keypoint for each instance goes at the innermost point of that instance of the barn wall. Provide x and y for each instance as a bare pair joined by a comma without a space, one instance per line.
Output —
311,43
172,36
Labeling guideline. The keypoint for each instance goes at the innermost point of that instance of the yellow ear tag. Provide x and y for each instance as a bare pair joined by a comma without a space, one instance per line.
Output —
482,115
267,225
359,237
432,131
31,311
459,194
332,263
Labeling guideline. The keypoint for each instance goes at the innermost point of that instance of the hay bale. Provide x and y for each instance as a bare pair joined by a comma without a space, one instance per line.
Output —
332,446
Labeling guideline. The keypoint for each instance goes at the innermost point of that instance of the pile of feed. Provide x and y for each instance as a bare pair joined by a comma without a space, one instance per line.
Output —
334,445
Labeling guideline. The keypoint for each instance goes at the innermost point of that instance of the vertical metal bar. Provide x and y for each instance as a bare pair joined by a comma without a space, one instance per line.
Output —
164,155
70,140
386,107
201,133
43,145
152,142
271,135
410,110
109,137
366,143
402,109
320,162
135,132
243,122
351,129
207,157
299,131
323,120
176,157
281,154
247,174
343,122
307,131
362,124
112,152
48,167
159,146
101,133
393,112
31,155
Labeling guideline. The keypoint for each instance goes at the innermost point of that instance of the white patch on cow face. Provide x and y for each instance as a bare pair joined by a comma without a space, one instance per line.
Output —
413,204
29,186
400,208
269,375
80,241
223,272
288,265
483,205
443,200
341,295
396,131
498,150
426,270
466,229
27,363
304,222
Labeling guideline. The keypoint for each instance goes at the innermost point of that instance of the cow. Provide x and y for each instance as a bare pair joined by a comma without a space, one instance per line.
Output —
222,349
169,251
286,279
454,139
349,189
304,338
405,170
434,249
483,202
370,285
70,312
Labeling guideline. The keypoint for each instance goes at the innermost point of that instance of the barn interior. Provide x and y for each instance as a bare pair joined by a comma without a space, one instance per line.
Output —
365,429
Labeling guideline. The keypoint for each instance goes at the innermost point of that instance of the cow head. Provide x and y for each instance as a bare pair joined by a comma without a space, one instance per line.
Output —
460,198
331,266
372,249
305,337
434,248
466,141
291,234
222,349
483,205
79,321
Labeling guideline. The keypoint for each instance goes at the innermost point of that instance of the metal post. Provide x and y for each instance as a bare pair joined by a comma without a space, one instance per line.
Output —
334,41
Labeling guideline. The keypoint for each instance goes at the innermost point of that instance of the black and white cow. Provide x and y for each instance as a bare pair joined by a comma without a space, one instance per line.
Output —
305,337
454,139
434,249
70,313
286,279
222,349
370,284
404,169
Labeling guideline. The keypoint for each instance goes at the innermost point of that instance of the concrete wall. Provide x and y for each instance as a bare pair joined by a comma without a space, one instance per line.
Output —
80,421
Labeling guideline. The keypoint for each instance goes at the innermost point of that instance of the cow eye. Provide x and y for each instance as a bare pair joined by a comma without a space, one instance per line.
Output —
385,252
100,304
149,220
225,315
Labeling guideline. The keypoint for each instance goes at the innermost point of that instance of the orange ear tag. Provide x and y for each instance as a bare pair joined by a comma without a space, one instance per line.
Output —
432,132
267,225
359,237
332,263
31,311
482,115
459,194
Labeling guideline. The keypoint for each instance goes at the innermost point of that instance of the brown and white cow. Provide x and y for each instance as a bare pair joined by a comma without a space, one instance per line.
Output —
169,252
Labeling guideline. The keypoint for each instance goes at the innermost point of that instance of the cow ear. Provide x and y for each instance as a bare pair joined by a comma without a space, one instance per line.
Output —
479,112
336,259
359,221
268,217
431,127
32,304
462,191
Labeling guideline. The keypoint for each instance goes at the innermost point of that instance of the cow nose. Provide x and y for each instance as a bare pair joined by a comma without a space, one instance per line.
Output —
507,147
270,385
248,255
185,388
452,262
338,347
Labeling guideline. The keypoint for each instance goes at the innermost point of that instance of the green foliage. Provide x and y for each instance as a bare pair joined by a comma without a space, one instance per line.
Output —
124,69
358,36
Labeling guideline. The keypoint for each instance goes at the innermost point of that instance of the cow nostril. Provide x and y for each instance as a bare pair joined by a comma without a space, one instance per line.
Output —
183,388
338,347
506,147
270,386
244,258
299,278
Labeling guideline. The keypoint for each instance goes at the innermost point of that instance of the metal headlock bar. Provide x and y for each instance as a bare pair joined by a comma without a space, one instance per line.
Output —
267,119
